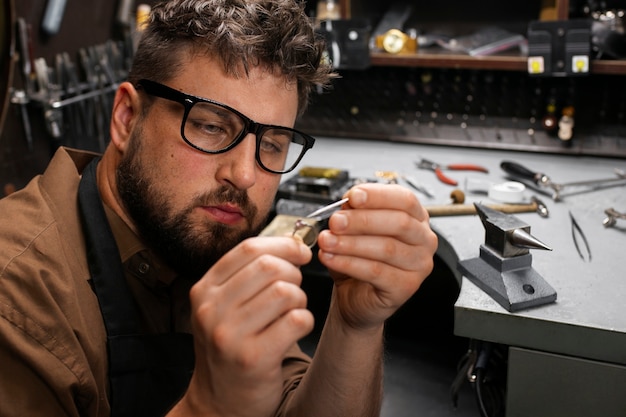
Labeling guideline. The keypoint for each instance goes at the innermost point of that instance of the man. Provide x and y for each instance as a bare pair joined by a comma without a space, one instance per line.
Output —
109,265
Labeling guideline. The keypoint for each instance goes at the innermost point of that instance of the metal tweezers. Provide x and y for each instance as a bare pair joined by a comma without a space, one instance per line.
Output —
576,230
319,214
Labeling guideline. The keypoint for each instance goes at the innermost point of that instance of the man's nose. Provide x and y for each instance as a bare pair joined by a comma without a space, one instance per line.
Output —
238,166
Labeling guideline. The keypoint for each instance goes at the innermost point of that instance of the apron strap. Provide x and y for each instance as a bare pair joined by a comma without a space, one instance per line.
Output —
105,266
148,373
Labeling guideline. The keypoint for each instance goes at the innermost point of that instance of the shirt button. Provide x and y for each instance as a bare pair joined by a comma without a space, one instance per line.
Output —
144,268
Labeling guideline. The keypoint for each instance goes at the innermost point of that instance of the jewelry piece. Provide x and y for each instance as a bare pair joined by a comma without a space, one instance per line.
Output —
306,228
318,215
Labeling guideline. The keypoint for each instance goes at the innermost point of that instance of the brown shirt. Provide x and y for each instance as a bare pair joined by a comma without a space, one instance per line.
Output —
52,338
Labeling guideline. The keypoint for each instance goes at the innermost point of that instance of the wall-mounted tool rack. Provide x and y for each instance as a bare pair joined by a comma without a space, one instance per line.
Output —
74,96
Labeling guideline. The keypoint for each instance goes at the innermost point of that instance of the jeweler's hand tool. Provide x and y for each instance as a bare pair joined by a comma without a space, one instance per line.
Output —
611,217
319,214
438,169
577,231
465,209
392,178
543,181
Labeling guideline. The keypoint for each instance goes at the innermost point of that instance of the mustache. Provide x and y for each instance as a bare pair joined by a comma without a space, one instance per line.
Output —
228,195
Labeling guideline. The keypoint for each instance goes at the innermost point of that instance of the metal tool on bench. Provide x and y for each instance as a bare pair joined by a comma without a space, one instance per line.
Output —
542,183
438,169
503,270
535,205
392,178
611,217
577,232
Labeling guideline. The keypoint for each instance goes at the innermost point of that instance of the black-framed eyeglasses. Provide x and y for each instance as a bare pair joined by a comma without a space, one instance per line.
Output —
213,128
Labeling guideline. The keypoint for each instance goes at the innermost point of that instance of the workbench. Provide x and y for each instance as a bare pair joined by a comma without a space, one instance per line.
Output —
566,358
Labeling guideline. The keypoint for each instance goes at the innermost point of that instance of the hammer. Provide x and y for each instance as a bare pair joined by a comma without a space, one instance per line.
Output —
464,209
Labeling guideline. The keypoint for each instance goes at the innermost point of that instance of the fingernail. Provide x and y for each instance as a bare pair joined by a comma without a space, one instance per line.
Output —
340,221
330,240
358,197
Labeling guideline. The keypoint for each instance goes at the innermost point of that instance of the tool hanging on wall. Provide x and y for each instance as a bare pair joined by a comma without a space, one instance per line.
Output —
542,183
74,110
53,16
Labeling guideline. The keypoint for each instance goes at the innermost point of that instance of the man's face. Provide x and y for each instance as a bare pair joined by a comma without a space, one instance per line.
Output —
189,206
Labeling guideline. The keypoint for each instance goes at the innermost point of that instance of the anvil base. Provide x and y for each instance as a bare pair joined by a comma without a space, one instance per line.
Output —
512,282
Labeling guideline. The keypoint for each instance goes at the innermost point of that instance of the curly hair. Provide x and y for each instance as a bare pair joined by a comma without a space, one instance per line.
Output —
276,34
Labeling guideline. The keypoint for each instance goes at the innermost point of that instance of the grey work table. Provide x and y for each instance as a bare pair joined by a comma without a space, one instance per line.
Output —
578,342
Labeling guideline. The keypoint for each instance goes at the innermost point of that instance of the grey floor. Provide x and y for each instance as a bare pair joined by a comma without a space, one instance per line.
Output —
422,354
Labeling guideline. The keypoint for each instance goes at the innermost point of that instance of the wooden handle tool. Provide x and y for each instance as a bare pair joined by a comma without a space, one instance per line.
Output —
464,209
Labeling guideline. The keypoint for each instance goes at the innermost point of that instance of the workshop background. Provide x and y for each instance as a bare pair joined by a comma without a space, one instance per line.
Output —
486,74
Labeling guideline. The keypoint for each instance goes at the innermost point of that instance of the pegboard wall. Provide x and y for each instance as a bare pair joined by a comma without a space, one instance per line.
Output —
474,108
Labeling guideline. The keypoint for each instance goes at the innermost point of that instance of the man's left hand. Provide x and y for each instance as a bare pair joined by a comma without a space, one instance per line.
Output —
379,250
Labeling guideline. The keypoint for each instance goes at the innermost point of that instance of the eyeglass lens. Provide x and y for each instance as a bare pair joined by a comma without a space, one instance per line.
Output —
213,128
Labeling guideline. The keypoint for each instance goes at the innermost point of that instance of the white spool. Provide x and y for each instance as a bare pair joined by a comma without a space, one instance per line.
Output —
507,192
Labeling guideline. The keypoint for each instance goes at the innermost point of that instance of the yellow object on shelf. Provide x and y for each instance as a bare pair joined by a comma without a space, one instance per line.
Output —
395,41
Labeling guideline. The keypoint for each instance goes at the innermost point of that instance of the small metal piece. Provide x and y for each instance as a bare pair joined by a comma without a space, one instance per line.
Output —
19,97
576,230
299,225
542,209
612,216
283,225
390,176
318,215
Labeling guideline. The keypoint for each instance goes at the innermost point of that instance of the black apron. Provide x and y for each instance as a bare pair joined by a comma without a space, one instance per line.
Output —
148,373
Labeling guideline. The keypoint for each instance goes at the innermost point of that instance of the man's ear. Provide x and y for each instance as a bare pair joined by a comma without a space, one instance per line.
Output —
125,112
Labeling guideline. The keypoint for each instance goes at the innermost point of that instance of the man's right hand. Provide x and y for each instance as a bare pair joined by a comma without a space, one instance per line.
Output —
246,312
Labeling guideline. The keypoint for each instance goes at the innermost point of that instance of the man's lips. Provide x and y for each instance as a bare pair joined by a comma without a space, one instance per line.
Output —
224,213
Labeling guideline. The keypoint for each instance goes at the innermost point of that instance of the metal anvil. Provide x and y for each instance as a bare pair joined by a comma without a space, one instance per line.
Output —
503,270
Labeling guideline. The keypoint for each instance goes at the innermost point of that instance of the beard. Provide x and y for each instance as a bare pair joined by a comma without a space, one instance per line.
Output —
189,247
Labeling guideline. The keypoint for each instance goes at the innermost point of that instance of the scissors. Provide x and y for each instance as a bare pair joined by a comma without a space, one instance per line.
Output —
318,215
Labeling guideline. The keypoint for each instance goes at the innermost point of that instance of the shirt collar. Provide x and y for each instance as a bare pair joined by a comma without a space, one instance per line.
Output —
136,255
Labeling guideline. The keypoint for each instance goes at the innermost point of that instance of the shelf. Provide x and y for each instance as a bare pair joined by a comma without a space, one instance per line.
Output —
503,61
444,59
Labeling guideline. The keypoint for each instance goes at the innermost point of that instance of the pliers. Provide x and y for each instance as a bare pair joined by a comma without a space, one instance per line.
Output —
438,169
